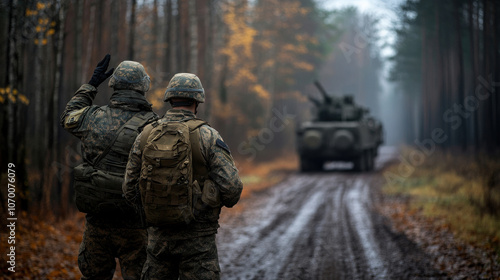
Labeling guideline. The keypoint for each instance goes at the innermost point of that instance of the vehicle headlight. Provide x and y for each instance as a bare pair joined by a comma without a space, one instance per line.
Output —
312,139
342,139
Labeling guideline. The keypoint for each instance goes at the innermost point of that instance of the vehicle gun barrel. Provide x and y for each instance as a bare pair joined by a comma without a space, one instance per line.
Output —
327,98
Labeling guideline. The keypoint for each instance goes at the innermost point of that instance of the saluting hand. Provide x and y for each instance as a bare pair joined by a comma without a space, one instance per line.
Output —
100,74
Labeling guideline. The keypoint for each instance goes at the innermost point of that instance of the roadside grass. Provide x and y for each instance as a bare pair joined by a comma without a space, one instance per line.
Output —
257,176
462,191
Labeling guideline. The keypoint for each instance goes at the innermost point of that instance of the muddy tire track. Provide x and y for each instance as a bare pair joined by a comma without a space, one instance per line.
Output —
317,226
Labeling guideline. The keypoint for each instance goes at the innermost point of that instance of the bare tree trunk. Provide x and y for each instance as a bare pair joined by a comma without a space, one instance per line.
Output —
425,83
123,47
477,63
131,37
193,38
99,29
179,46
474,63
16,138
78,44
437,92
495,99
487,118
153,61
209,60
57,92
460,79
5,79
168,37
115,20
183,50
202,30
11,50
90,43
44,151
39,108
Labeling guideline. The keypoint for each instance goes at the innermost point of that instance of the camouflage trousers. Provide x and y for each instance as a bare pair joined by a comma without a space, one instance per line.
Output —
100,246
194,258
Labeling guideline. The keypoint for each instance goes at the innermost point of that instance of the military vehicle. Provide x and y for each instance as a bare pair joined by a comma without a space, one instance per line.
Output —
341,131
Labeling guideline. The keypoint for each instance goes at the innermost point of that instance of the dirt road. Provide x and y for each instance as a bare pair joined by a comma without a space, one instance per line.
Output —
318,226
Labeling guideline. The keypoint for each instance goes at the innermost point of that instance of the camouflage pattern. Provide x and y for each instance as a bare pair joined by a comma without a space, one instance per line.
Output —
96,130
180,259
185,85
165,243
100,246
91,124
130,75
222,170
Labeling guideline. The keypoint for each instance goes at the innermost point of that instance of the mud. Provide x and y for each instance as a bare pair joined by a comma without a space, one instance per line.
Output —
318,226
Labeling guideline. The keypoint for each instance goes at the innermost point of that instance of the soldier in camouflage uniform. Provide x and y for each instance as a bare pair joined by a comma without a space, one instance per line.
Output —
109,235
188,251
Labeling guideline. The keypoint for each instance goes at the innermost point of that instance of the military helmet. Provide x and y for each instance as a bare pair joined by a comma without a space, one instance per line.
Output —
185,85
130,75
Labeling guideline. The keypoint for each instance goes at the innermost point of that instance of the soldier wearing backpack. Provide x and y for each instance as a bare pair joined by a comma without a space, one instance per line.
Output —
185,174
112,228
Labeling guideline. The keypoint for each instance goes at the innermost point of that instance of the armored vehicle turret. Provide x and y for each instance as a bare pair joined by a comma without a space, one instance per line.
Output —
340,131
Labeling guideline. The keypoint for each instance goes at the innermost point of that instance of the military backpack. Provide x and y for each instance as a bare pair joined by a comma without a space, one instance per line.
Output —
170,155
98,184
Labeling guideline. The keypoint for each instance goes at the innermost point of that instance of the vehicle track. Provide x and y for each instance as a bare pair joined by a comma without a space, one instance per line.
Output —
317,226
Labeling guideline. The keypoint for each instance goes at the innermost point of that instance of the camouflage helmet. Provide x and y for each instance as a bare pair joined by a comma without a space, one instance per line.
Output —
130,75
185,85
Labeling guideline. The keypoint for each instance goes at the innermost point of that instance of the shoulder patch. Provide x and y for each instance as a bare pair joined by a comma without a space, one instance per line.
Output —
73,118
223,145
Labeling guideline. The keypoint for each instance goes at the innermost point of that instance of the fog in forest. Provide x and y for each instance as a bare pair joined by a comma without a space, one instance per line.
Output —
427,70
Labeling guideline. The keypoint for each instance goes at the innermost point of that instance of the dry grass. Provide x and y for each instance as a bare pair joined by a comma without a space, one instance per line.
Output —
463,191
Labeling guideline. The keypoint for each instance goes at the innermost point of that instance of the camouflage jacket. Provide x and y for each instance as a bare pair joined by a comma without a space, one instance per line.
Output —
222,171
94,127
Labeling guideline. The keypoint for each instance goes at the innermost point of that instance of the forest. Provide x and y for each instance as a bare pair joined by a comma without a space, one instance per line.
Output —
447,63
257,61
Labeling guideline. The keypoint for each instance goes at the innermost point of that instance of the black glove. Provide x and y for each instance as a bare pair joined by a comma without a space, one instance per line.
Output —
100,75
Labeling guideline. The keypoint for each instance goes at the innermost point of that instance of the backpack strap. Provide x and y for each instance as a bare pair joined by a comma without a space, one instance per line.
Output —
145,135
132,129
200,168
116,153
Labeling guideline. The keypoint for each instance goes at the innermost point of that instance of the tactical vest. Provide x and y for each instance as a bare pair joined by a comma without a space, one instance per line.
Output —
98,184
173,173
